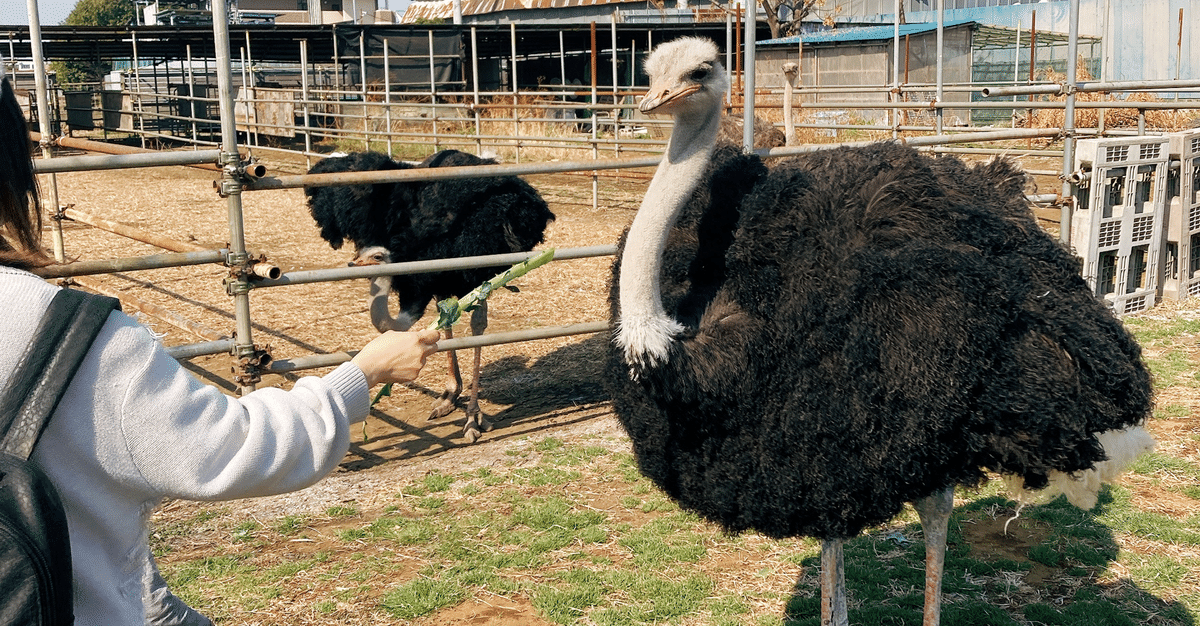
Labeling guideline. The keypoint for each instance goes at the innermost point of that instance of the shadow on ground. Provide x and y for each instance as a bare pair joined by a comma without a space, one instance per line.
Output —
1044,570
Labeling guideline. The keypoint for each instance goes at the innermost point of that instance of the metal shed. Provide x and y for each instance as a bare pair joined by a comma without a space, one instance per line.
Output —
852,64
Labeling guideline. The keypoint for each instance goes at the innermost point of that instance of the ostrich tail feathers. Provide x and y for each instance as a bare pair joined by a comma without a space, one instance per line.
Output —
1121,447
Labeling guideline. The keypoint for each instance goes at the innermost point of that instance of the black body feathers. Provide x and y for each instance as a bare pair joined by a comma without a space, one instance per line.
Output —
429,220
866,326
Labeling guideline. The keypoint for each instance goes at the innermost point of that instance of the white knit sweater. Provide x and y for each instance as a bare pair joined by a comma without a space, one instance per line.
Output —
135,426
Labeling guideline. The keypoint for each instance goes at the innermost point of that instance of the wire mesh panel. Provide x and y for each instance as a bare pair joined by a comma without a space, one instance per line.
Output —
1119,218
1182,272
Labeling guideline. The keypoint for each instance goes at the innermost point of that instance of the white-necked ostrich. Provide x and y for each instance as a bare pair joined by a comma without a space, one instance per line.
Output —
791,72
394,222
801,351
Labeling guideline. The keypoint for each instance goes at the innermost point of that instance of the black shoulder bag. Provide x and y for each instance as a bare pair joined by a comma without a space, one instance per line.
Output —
35,553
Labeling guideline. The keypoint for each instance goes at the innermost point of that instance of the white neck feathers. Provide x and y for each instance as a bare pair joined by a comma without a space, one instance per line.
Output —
644,330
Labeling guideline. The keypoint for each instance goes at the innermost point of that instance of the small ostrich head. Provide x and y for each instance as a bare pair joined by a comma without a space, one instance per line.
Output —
381,286
371,255
791,71
686,78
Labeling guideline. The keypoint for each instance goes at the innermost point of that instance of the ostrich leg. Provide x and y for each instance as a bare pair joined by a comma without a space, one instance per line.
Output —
833,584
476,423
445,403
934,512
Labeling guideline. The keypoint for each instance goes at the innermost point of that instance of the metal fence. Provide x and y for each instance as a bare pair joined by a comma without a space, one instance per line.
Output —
369,116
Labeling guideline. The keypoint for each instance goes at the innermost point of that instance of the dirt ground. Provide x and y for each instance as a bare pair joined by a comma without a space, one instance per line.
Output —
532,388
525,388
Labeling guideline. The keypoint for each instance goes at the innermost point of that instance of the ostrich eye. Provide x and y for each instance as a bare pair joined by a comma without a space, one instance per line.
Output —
699,73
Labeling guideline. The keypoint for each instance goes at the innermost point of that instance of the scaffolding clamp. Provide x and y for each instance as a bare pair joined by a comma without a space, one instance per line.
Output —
251,362
237,283
61,214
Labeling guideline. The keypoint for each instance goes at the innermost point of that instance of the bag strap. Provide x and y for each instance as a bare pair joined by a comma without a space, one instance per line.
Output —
55,352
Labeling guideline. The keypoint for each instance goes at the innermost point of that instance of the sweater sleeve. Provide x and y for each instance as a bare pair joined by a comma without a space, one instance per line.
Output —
189,440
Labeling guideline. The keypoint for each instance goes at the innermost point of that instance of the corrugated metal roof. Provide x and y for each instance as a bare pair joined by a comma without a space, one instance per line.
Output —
862,33
444,9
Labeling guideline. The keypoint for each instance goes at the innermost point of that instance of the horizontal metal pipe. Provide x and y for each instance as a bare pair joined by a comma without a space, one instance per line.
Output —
114,148
153,261
1043,198
123,161
930,140
204,348
443,173
1088,86
433,265
281,366
1000,151
132,232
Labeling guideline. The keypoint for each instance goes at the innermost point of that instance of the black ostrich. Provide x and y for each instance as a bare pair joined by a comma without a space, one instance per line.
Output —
801,351
394,222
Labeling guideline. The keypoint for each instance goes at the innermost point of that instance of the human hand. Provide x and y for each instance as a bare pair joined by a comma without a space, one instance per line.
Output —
396,357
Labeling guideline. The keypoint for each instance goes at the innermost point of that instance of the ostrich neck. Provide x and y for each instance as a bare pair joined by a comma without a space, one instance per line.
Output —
377,304
644,329
788,127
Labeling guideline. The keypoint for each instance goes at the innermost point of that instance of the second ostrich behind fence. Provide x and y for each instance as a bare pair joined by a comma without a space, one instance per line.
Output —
413,221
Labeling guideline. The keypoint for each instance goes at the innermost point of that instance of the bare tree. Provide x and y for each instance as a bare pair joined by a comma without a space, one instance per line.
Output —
793,12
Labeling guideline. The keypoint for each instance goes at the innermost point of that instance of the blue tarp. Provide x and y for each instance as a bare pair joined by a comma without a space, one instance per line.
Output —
861,33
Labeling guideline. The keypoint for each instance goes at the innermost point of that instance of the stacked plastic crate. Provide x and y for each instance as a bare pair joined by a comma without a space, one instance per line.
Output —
1119,219
1181,275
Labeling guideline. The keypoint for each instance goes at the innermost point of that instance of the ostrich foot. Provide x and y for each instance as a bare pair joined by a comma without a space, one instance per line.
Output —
444,406
475,426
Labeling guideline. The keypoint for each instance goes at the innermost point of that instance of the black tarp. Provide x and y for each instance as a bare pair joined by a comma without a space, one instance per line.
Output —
408,56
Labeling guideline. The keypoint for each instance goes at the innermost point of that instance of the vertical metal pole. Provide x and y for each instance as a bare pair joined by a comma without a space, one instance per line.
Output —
475,90
895,68
595,148
387,93
729,52
1064,233
562,60
1178,50
940,37
362,86
252,90
231,187
616,114
137,91
433,110
191,79
1017,60
1032,68
512,29
748,106
43,107
304,96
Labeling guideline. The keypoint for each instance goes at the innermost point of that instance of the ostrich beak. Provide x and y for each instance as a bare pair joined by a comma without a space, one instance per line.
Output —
658,96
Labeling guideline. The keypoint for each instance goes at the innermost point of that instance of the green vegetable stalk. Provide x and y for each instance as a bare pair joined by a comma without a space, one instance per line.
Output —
450,309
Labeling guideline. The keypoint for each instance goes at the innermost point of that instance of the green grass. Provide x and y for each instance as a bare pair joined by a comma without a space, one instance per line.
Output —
533,534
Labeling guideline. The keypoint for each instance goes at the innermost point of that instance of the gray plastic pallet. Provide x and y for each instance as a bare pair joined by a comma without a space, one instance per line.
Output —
1119,219
1181,276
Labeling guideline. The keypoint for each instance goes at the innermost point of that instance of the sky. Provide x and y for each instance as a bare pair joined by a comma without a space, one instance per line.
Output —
53,12
50,12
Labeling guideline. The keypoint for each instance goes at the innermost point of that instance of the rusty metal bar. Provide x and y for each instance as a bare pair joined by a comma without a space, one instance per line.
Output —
458,343
151,262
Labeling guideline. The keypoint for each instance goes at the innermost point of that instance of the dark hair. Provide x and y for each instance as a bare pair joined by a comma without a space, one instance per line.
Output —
20,217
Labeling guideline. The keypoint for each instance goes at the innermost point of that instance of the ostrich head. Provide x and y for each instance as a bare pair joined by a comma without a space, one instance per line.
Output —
688,82
791,71
686,79
381,286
